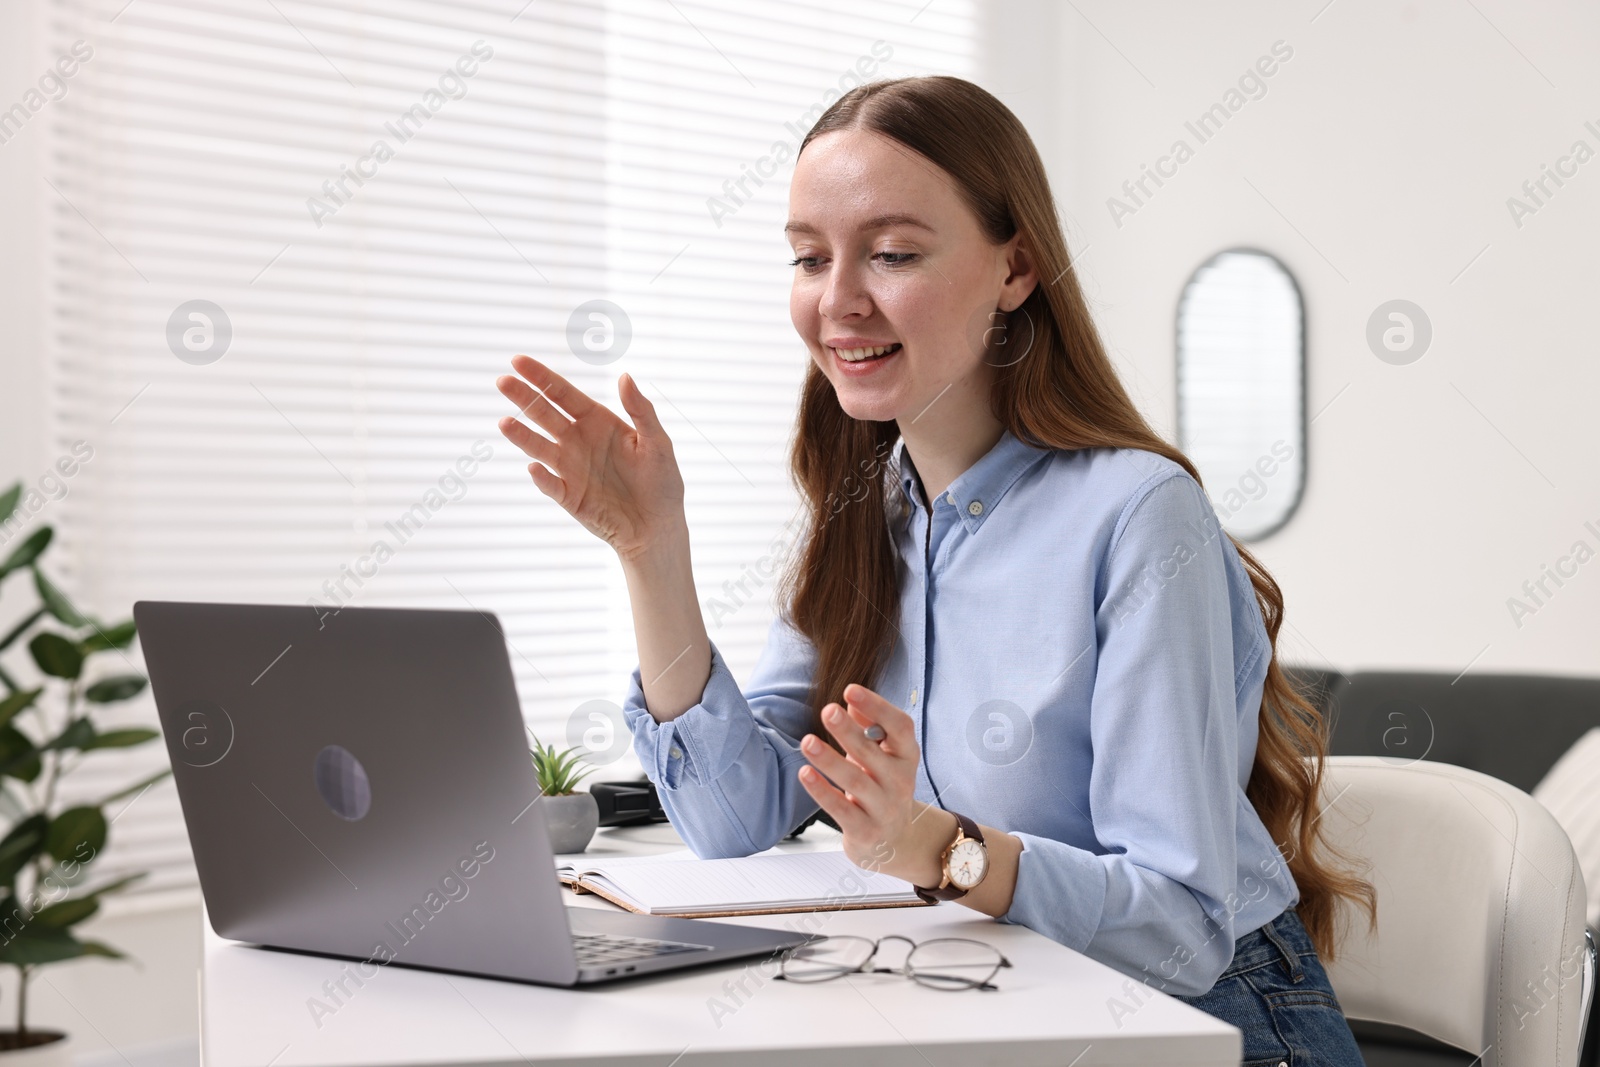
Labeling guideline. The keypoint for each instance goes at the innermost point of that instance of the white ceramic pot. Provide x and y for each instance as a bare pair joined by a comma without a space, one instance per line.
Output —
58,1053
572,820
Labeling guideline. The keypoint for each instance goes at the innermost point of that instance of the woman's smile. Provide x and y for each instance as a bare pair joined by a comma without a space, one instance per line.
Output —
856,356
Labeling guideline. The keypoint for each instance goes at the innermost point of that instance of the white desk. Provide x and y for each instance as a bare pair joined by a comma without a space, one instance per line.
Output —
1052,1008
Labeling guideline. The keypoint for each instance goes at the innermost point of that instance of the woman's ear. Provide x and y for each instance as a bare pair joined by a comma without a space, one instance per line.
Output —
1022,277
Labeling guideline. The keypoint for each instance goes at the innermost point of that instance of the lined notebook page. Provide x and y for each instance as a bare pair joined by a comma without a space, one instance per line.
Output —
679,885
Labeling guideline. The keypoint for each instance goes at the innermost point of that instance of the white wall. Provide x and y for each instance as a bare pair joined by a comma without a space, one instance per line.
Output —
1376,166
23,435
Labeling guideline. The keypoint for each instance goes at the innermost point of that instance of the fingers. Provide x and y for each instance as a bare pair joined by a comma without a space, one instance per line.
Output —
867,766
850,730
845,812
548,484
858,783
541,449
573,401
531,404
867,707
533,443
639,407
549,399
851,777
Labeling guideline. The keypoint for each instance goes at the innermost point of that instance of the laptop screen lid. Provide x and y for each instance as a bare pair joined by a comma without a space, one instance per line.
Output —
359,784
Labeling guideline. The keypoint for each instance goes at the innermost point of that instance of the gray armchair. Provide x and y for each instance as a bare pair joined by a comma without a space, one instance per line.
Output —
1512,727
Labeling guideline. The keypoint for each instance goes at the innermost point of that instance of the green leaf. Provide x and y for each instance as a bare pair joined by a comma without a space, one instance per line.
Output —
37,944
115,688
558,772
67,912
56,656
18,756
8,501
78,734
74,829
133,735
27,552
105,638
56,602
16,703
18,847
100,948
20,628
137,787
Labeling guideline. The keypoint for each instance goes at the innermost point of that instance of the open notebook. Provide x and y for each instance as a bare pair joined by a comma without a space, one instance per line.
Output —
678,884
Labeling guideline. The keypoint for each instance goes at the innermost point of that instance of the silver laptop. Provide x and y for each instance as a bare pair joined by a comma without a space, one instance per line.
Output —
359,785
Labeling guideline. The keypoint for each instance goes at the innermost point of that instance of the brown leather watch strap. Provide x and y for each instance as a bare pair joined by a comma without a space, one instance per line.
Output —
947,891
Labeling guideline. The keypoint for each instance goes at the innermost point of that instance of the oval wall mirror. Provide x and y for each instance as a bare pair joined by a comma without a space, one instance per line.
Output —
1241,388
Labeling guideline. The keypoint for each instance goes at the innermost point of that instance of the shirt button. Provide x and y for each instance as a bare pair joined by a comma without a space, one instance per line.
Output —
975,508
675,752
913,696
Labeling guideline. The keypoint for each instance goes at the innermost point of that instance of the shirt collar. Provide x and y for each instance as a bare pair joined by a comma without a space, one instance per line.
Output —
978,490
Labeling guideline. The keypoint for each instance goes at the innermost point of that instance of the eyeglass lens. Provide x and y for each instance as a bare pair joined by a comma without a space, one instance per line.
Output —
827,957
953,963
944,963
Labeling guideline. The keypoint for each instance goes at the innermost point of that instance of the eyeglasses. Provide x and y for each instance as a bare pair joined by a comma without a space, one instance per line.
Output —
951,963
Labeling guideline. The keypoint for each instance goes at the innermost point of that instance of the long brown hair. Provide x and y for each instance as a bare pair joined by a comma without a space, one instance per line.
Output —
1065,395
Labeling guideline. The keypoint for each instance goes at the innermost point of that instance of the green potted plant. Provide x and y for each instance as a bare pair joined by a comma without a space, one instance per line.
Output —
46,729
571,816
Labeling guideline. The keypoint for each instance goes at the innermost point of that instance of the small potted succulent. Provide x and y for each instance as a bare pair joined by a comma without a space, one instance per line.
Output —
47,728
572,817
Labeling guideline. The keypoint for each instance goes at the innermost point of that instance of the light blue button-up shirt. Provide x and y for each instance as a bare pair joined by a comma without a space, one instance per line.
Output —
1081,650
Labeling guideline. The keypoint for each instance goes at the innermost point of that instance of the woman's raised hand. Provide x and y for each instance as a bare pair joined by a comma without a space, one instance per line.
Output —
621,482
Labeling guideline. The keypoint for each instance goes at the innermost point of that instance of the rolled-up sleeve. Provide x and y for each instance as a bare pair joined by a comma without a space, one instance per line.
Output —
727,768
1163,789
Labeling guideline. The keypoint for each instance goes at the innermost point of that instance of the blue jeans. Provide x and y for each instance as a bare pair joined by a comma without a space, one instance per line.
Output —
1277,993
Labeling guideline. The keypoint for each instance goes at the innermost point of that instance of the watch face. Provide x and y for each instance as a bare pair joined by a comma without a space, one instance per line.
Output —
968,862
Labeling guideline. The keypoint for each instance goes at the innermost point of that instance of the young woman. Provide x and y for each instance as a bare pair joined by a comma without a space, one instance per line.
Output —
1019,663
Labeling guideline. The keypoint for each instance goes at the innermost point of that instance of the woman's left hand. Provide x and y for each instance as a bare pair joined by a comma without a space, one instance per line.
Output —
871,795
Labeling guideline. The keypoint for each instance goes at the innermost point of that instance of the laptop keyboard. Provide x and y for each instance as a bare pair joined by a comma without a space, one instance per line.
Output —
596,950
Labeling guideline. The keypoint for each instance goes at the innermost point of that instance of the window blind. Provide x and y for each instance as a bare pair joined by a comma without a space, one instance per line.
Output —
293,243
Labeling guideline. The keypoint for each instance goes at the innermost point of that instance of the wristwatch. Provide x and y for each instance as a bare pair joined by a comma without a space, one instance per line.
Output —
965,861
